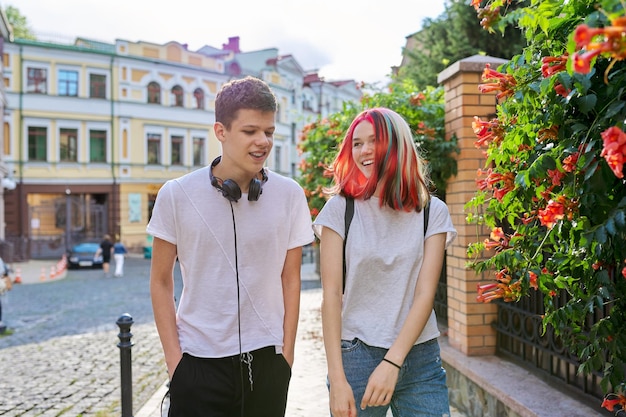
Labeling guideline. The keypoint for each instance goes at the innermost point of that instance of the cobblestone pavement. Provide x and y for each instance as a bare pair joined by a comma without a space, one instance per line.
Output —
62,358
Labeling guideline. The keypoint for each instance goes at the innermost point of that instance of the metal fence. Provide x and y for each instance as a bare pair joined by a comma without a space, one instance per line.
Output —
520,338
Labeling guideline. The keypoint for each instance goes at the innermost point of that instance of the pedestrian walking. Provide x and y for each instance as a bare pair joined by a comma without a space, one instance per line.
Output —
105,249
119,253
237,230
379,326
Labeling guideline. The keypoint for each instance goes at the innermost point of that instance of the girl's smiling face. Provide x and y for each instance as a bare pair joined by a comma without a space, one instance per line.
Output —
363,147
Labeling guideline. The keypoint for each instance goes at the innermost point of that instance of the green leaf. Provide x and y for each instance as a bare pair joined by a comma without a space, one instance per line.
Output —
587,103
600,235
614,108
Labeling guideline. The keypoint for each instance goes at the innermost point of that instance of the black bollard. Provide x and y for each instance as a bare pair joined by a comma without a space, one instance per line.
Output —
126,372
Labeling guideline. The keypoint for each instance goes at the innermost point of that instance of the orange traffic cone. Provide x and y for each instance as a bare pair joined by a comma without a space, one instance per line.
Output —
53,272
18,275
42,276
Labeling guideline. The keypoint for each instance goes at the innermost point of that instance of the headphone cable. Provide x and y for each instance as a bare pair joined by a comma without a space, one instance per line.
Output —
241,379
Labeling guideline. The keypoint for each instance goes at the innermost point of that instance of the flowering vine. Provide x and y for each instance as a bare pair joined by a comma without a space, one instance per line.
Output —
553,190
423,110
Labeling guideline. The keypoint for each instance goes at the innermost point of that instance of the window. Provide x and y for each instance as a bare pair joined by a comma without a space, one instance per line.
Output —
198,151
198,94
68,145
97,86
37,143
154,93
97,145
177,96
277,157
37,80
154,149
177,150
68,83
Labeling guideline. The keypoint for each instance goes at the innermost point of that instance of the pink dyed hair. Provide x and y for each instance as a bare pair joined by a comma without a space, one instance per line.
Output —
398,167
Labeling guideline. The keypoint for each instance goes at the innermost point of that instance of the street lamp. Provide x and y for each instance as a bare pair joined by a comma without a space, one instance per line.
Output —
68,218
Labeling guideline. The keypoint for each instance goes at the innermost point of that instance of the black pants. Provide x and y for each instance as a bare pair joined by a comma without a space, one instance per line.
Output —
221,387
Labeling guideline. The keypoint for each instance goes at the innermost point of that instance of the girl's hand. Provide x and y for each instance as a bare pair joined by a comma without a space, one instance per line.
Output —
380,386
342,402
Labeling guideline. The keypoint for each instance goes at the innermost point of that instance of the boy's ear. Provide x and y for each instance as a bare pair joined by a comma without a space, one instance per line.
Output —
219,130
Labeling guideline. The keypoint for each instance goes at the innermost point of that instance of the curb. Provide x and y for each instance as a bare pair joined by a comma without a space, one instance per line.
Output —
152,407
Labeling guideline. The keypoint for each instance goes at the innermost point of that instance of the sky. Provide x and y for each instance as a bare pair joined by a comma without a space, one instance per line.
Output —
341,39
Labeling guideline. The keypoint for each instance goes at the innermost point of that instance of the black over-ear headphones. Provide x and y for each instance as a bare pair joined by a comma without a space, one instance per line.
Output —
231,190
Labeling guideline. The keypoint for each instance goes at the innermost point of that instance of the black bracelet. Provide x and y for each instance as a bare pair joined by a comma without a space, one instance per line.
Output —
394,364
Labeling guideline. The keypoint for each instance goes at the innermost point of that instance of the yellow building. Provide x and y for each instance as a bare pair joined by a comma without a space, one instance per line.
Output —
93,131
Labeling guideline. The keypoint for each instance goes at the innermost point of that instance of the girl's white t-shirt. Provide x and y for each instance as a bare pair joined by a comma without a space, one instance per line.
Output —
384,254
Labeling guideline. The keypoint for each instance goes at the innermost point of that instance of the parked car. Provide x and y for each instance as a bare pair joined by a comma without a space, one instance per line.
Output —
83,255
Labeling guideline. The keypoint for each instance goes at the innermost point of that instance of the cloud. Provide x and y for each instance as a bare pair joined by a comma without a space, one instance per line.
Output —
343,39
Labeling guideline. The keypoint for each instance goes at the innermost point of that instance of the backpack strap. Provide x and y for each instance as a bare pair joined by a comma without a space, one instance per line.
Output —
426,214
348,219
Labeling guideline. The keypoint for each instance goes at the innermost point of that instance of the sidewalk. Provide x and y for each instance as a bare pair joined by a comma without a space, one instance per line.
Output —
308,395
38,270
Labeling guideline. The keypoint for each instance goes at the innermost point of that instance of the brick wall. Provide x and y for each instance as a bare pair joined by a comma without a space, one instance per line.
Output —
469,322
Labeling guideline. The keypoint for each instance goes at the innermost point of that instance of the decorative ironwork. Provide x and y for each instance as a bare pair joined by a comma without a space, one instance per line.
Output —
520,338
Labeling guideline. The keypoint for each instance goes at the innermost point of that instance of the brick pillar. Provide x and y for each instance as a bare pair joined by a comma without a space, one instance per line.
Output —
469,322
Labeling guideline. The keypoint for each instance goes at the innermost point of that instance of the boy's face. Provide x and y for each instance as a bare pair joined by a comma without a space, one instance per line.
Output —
248,142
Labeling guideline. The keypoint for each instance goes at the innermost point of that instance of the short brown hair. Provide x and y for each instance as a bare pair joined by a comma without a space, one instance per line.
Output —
246,93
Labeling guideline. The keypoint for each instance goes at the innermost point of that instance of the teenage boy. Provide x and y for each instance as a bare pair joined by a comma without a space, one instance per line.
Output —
237,230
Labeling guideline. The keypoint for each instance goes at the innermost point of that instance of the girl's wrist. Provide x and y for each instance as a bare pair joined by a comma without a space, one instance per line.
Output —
392,363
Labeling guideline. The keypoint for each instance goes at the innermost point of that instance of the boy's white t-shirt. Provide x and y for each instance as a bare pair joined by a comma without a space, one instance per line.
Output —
384,254
193,215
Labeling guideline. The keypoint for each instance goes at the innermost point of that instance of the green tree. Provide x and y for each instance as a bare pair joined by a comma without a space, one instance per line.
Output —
424,112
553,189
454,35
19,24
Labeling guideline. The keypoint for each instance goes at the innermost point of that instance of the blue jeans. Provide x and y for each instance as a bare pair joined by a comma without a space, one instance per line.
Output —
421,388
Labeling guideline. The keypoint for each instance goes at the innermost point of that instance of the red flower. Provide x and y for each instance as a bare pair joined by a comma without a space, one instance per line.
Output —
496,81
614,150
554,212
533,280
561,90
416,100
487,132
498,240
556,176
502,289
583,35
608,40
505,181
569,163
582,62
551,65
613,400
